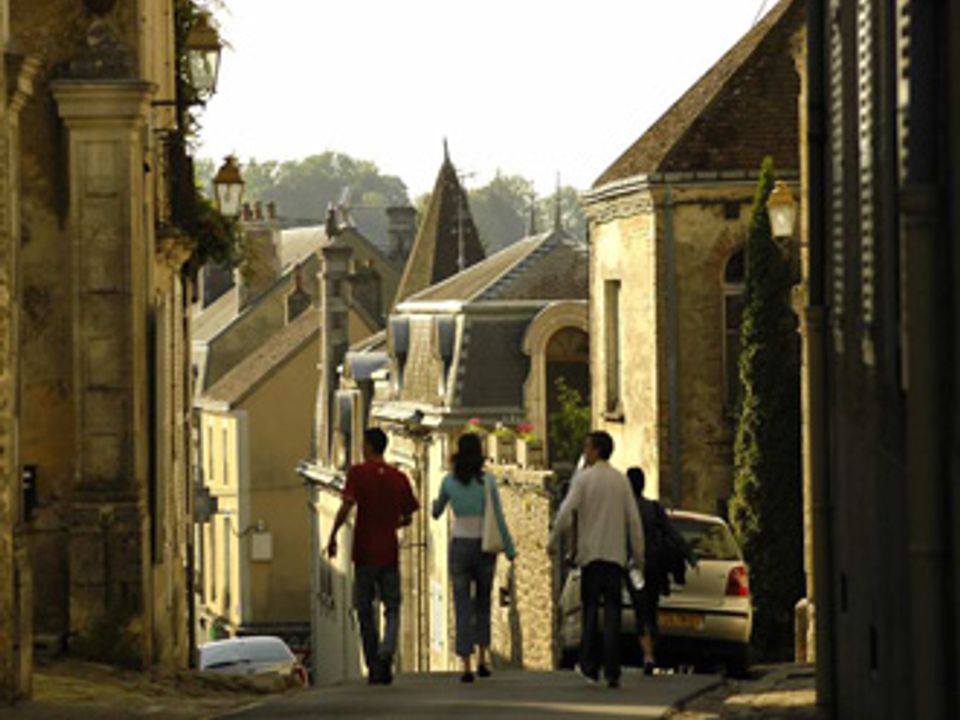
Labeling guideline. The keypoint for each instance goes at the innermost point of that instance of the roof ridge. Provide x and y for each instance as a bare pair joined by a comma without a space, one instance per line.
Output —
689,107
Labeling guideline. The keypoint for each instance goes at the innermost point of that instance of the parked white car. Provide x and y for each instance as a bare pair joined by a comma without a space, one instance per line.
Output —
704,622
255,655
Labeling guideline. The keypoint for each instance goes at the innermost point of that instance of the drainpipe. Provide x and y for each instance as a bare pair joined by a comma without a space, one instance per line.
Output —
927,408
815,312
673,333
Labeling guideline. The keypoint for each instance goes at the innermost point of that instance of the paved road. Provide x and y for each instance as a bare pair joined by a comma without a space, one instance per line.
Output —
511,694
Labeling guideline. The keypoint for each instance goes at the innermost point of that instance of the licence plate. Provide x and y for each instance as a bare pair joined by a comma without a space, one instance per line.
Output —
687,621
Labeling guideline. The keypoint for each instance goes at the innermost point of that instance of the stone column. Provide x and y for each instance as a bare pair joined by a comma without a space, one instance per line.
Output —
109,253
16,603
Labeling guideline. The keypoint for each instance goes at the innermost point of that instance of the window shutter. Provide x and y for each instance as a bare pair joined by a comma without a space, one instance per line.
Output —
837,254
866,53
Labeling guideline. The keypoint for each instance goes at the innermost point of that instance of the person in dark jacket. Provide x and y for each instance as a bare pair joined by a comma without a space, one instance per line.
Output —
666,553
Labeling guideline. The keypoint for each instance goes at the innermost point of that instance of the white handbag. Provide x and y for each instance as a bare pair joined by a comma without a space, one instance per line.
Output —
492,539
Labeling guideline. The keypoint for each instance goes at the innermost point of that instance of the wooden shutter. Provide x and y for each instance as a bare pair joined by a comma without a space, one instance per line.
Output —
837,250
866,127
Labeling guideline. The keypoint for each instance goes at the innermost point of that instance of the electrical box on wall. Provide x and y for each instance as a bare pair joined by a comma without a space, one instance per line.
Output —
261,546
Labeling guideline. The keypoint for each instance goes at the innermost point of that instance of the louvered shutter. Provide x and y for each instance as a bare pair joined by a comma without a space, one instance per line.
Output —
866,93
837,250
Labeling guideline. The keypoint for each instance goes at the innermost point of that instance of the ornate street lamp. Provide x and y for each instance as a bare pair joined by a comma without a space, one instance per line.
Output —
228,187
782,211
203,47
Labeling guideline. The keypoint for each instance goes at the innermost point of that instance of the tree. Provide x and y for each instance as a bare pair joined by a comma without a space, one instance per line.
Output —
302,189
569,425
766,507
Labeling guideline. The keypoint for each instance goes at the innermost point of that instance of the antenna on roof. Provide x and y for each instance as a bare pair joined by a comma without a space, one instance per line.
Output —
557,222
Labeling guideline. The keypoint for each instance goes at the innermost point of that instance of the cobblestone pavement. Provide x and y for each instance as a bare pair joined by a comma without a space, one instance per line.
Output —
778,692
72,690
513,695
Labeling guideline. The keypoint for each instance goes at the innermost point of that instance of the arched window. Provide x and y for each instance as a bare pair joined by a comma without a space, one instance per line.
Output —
734,277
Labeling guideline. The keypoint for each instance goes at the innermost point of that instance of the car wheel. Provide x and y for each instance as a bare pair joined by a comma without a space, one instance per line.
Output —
738,663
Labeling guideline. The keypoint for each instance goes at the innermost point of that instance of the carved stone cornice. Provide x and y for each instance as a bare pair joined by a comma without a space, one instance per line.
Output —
624,206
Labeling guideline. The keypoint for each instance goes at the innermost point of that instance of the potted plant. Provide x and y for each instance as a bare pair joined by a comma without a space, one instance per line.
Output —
530,448
502,445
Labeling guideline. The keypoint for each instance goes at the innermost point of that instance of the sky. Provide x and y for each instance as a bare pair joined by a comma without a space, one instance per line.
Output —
527,87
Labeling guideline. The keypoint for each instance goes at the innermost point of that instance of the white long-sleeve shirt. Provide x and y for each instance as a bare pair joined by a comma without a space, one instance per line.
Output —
607,516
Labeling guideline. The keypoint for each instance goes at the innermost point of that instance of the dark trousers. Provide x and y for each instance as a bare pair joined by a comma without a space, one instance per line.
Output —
601,581
371,581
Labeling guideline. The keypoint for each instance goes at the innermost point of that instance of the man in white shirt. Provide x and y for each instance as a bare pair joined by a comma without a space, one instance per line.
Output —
607,520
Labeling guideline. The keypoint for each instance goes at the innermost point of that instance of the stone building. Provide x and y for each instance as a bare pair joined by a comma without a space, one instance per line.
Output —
255,404
881,302
98,320
668,220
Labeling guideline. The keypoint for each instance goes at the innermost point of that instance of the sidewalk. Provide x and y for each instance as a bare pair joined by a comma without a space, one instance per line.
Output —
779,692
70,689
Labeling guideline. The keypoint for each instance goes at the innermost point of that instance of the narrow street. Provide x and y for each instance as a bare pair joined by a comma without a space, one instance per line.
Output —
511,694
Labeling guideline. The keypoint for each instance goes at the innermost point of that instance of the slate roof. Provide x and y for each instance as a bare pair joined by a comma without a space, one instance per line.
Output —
435,252
297,243
742,109
245,376
548,266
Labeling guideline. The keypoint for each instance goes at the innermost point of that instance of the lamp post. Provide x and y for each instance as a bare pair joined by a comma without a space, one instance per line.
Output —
228,187
203,47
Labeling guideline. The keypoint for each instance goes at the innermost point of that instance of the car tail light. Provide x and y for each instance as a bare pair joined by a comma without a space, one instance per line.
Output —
738,582
300,674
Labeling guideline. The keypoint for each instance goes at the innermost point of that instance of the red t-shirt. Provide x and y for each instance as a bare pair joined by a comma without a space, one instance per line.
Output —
382,495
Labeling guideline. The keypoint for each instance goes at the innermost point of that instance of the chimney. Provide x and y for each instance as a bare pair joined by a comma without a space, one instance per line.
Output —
247,213
261,266
402,230
334,340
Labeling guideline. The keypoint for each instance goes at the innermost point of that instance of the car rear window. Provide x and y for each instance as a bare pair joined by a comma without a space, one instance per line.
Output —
267,651
709,540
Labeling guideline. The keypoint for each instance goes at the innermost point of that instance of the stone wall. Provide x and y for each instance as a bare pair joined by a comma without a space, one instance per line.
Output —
524,592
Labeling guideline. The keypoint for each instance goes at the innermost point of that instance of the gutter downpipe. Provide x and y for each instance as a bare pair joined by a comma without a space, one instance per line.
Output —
672,349
927,440
818,381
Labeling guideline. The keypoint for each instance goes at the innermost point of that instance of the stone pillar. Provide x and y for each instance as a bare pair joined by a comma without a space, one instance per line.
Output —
110,257
16,602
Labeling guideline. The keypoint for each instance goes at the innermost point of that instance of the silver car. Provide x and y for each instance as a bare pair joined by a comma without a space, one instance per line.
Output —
703,622
254,655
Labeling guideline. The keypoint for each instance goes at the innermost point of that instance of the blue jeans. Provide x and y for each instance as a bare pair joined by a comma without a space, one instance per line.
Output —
371,581
472,572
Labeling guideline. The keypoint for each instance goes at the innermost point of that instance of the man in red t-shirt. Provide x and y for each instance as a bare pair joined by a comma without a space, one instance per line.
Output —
385,502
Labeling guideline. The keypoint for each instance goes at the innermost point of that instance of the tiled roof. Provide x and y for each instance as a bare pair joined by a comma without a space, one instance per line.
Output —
549,266
297,243
742,109
435,252
245,376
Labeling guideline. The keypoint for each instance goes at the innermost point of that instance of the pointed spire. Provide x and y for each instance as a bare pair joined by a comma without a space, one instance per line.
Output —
532,228
446,150
557,220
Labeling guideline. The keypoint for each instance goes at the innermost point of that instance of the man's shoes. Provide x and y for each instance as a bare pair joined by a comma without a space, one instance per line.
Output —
613,683
386,670
467,677
374,676
591,679
483,671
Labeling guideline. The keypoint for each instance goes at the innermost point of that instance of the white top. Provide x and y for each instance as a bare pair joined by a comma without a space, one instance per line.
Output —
467,526
607,516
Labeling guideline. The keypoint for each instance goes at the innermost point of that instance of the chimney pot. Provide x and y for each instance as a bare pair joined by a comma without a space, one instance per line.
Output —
258,210
247,213
271,210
